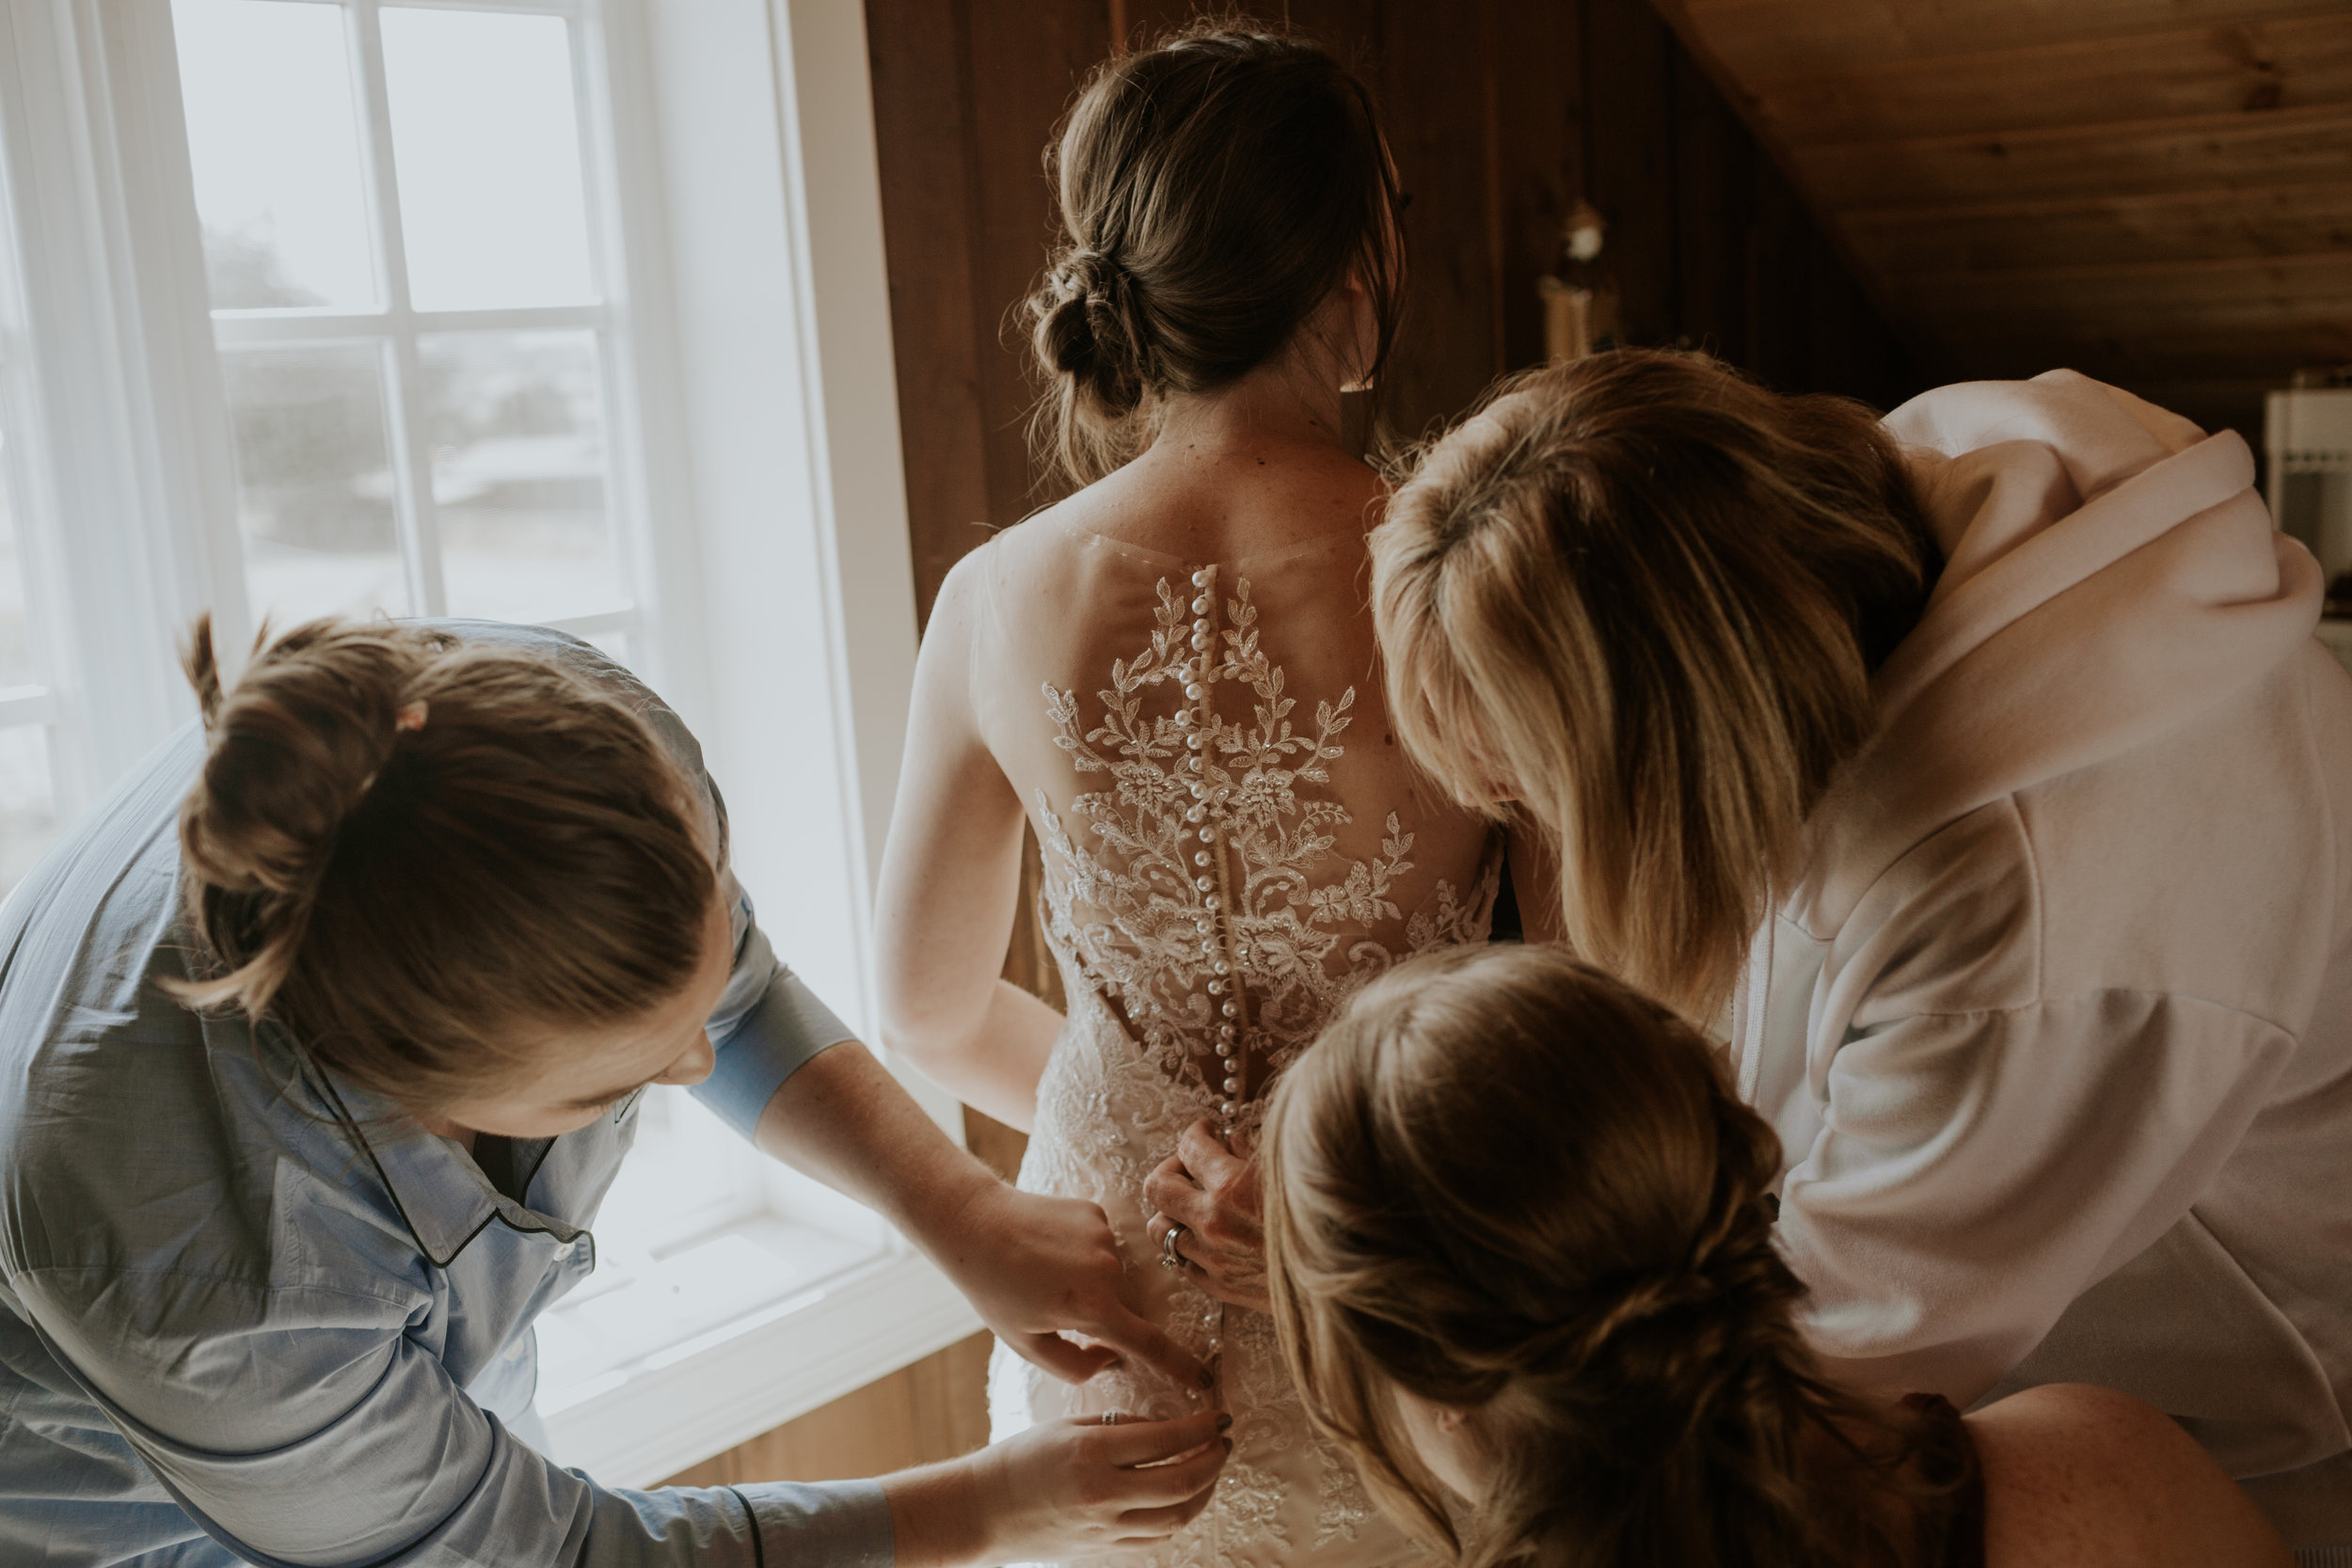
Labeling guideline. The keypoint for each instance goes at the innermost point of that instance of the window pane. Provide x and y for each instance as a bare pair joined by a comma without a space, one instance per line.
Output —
314,485
487,146
28,802
515,424
16,631
273,140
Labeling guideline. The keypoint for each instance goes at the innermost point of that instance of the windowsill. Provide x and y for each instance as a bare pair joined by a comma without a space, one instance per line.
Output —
679,1406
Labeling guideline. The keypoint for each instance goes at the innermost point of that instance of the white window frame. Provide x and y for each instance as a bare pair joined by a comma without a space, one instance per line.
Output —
776,612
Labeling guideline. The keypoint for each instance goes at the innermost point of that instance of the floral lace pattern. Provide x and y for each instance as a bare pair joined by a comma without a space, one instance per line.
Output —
1207,928
1207,914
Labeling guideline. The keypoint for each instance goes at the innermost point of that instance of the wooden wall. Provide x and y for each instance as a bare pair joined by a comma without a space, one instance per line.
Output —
2157,192
1502,114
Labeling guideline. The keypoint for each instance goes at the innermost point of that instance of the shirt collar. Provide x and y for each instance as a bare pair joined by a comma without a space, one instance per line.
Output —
440,1193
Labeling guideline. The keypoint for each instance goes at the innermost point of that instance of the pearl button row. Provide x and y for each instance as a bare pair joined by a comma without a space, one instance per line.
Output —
1199,724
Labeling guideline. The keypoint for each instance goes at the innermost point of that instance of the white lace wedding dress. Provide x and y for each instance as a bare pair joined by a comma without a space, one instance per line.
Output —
1233,844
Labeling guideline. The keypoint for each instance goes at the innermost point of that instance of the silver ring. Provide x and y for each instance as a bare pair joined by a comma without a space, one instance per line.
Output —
1110,1417
1170,1257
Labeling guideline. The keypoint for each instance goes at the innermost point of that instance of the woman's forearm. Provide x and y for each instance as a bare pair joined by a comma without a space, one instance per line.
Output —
995,1068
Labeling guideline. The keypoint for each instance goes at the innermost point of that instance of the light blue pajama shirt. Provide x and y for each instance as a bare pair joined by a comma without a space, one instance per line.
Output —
245,1316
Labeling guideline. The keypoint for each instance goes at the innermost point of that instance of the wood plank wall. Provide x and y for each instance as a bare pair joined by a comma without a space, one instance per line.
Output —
1502,114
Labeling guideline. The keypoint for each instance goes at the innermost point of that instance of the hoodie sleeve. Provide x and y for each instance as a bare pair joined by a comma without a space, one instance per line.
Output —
1974,1152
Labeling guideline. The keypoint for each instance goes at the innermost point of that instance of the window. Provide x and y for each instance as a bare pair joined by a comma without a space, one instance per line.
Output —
560,310
408,300
29,797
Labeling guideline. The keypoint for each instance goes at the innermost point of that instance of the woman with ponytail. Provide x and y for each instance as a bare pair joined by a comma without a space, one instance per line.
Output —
320,1042
1520,1240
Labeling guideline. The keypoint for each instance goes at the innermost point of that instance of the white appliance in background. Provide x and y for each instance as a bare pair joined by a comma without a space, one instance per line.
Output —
2307,435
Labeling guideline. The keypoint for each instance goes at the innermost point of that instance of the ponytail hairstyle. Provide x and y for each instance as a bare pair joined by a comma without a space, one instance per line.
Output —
1215,190
1642,597
421,857
1507,1185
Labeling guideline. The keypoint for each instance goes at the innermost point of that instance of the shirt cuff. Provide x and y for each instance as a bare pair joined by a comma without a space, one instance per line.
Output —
834,1523
786,1027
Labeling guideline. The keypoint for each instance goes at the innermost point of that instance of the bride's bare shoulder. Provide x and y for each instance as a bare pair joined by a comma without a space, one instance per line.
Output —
2087,1477
1224,506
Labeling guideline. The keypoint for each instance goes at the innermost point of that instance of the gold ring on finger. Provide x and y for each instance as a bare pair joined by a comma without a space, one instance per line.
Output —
1170,1257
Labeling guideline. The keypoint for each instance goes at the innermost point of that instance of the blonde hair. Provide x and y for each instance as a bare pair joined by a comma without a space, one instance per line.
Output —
1508,1184
1642,597
407,852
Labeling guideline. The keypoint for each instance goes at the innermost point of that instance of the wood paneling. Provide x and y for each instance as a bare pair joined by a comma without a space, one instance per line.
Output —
933,1410
2280,220
2155,191
1785,38
2083,163
2249,68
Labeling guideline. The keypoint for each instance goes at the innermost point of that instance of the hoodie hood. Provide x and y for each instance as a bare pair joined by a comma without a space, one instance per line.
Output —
2110,575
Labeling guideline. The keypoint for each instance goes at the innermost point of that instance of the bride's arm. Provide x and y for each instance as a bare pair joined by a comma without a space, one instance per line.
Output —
950,884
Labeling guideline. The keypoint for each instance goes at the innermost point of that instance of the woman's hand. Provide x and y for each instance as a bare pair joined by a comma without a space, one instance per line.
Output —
1213,1192
1069,1488
1034,1266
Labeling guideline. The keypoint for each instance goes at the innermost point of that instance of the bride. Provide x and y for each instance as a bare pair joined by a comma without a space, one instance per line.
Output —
1172,677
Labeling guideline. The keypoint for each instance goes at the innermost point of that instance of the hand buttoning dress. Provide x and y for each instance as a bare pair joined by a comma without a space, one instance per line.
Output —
1234,843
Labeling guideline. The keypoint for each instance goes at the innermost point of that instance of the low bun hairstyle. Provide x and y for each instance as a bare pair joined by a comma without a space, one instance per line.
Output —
416,855
1507,1183
1215,190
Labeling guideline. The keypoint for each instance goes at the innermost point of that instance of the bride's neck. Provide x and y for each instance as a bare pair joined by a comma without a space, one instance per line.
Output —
1292,402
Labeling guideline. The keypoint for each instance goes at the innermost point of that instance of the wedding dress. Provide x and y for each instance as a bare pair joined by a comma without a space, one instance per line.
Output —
1233,844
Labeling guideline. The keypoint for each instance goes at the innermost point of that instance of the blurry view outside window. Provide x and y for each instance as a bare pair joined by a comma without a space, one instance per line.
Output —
407,301
28,782
490,191
28,796
515,424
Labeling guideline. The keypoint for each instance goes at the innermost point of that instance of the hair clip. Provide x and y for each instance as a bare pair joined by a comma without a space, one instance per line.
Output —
410,718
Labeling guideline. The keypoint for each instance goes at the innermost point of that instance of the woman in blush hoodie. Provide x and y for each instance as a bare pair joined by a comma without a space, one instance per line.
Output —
1977,772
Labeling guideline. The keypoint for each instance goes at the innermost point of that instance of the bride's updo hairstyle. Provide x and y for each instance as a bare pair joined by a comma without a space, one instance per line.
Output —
1639,599
1215,189
1511,1186
422,858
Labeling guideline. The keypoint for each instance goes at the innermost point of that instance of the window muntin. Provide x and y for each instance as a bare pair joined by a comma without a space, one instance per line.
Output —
411,308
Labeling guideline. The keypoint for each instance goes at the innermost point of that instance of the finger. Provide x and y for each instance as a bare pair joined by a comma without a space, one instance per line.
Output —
1158,1523
1131,1443
1139,1341
1168,1179
1071,1363
1189,1206
1163,1485
1206,1157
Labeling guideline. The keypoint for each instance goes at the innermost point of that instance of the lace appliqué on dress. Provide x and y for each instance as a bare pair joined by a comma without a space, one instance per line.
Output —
1208,928
1206,908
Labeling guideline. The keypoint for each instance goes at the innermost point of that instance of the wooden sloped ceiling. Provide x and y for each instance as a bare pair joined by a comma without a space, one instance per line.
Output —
2155,192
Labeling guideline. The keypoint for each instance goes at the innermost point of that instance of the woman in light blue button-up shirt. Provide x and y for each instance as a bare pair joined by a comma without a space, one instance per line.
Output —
268,1297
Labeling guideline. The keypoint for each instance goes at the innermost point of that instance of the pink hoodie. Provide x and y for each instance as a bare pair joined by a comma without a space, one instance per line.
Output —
2056,1024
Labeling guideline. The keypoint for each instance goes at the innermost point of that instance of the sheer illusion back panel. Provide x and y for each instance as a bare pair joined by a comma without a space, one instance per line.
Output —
1233,840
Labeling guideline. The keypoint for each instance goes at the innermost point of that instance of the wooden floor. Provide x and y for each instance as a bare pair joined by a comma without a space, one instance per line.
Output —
933,1410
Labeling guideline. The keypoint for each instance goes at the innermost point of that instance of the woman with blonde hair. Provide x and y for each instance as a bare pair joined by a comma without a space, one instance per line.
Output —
1521,1239
1978,771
